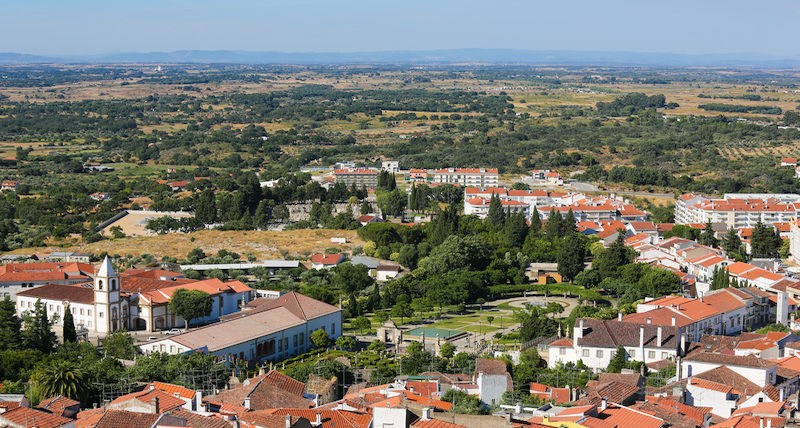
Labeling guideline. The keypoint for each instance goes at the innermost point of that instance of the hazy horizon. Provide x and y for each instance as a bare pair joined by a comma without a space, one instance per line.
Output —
91,27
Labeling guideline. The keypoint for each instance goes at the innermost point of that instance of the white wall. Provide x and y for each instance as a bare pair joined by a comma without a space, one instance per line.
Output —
721,403
760,377
491,387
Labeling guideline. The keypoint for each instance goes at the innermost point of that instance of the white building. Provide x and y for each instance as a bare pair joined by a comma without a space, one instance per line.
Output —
596,341
392,167
492,380
269,329
475,177
739,210
97,307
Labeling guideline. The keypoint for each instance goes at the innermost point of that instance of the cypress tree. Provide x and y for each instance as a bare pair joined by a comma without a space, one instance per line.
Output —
536,222
553,225
69,326
568,225
37,334
496,216
571,256
10,325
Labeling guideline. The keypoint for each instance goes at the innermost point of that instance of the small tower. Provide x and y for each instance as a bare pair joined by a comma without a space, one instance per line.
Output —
106,298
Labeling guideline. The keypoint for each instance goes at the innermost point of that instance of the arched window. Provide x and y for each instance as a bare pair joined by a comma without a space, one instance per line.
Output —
113,285
99,284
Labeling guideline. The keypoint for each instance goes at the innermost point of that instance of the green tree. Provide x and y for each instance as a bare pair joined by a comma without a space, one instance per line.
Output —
707,236
351,278
536,223
402,309
571,256
612,258
362,323
68,329
392,203
38,334
10,326
190,304
353,308
376,346
206,207
765,241
554,227
320,339
120,344
447,350
346,342
60,377
497,215
618,361
366,207
732,244
516,229
568,225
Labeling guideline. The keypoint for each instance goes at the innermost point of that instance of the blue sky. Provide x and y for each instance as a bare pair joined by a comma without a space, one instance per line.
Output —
52,27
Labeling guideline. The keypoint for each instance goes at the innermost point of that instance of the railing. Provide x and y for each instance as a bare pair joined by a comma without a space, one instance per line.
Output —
541,343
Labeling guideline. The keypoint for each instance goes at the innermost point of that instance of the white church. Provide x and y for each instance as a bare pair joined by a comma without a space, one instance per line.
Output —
98,306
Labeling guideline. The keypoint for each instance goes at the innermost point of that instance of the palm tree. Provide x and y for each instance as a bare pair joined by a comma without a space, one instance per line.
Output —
60,378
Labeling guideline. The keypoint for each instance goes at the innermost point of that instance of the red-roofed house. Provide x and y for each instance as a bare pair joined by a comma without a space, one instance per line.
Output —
9,185
30,418
326,261
548,393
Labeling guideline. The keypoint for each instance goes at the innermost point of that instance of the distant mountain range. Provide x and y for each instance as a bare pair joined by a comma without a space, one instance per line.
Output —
445,56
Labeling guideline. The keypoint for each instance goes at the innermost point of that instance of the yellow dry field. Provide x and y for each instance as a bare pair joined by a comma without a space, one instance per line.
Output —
263,244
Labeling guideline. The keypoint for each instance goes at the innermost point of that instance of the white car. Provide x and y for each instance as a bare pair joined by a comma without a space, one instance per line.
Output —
174,331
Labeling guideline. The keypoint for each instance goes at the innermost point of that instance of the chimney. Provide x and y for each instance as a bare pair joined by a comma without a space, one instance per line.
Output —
518,408
781,395
578,331
198,400
319,419
156,405
760,422
769,422
426,414
649,320
236,424
641,338
288,421
603,404
658,336
247,403
619,316
674,321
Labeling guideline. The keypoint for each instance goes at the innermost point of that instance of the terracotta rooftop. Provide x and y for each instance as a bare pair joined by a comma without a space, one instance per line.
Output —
71,293
25,417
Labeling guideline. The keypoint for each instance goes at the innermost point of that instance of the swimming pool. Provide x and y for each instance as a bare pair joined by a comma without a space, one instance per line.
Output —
430,332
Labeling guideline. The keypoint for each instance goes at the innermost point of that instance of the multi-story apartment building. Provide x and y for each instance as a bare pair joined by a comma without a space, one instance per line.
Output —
740,210
476,177
358,177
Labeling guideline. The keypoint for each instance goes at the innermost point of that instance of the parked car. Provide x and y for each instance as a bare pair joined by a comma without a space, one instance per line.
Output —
151,338
174,331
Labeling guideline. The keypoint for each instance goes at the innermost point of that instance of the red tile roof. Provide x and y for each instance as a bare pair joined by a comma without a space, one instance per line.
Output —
166,402
71,293
57,405
23,416
327,259
124,418
172,389
329,418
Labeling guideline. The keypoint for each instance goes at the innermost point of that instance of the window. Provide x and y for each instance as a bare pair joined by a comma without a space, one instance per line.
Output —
651,354
598,354
286,343
99,284
280,345
163,348
90,312
632,353
172,348
99,315
295,340
664,355
302,338
81,311
333,329
50,308
585,352
562,351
